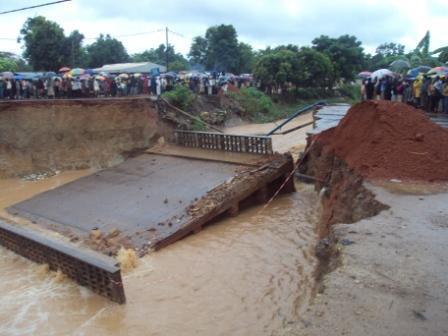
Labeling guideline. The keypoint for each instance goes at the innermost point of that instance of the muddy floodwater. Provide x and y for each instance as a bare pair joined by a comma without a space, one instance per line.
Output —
247,275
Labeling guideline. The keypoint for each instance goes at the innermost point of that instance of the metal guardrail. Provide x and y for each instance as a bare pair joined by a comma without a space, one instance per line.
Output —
316,105
88,268
225,142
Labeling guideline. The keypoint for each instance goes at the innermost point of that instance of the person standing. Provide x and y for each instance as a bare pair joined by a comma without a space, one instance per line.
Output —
445,95
425,92
387,93
369,89
436,94
158,86
399,89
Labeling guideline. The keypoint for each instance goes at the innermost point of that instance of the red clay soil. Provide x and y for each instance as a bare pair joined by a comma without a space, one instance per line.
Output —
389,140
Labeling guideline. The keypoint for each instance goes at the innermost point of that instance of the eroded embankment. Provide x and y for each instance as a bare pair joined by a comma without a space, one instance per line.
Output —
376,141
73,134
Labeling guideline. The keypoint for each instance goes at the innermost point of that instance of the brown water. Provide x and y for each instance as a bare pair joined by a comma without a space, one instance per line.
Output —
248,275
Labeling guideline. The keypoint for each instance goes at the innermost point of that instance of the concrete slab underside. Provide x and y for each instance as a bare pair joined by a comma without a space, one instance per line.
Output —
132,197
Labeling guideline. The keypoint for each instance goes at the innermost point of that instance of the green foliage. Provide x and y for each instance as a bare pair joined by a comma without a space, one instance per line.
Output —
106,50
315,69
74,54
254,102
198,125
351,91
176,61
198,50
180,97
7,64
220,50
443,54
246,55
311,93
44,43
278,67
390,49
345,53
305,67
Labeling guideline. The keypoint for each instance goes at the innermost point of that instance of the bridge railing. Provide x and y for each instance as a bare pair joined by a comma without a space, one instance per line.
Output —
224,142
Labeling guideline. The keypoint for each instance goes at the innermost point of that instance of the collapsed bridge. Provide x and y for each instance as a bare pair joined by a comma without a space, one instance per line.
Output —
145,203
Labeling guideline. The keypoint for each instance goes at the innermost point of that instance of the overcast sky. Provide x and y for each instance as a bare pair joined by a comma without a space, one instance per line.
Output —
260,23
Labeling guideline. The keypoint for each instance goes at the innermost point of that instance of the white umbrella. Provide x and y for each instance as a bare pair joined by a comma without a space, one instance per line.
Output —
378,74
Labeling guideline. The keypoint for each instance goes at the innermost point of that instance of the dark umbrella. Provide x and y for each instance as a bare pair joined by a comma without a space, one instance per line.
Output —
49,74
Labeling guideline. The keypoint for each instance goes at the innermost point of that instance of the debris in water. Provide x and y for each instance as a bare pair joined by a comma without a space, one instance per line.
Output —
127,258
59,276
95,234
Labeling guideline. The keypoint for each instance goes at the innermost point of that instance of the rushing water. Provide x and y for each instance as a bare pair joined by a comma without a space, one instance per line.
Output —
247,275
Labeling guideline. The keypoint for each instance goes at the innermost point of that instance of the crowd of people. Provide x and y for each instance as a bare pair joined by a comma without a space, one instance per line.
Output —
86,86
425,92
82,86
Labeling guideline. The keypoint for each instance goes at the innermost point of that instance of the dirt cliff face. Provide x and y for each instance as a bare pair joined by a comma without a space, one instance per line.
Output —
73,134
377,141
344,197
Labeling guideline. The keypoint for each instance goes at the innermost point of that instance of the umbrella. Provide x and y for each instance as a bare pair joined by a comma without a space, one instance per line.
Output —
171,74
84,77
400,64
7,74
423,68
77,72
438,71
378,74
64,69
123,75
49,74
18,77
67,75
99,77
89,71
137,75
364,74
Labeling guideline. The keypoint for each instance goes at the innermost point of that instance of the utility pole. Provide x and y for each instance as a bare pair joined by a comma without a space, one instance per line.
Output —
166,49
73,55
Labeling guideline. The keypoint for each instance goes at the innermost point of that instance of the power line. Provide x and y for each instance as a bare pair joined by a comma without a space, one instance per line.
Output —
129,35
31,7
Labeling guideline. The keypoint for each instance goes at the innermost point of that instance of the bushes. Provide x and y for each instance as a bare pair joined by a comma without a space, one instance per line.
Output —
180,97
352,91
254,102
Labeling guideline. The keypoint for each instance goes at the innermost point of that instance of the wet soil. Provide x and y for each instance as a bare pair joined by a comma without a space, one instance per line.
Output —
392,274
45,135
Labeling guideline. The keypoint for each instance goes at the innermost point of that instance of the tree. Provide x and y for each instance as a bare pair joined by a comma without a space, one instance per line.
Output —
421,55
278,68
74,54
7,64
159,55
385,54
12,62
198,51
390,49
106,50
44,43
316,69
345,53
222,48
247,59
443,54
219,50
